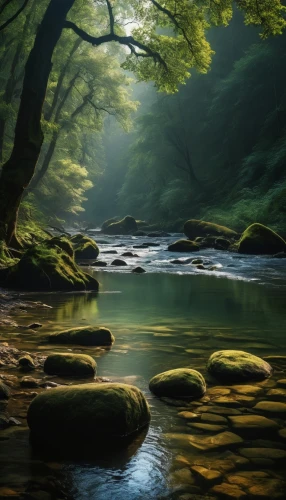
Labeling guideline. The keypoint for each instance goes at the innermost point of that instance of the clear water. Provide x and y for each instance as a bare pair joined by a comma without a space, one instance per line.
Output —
161,321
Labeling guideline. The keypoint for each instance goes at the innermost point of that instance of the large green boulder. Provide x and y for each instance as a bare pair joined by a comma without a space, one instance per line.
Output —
127,225
84,247
96,411
237,366
184,246
48,266
194,228
86,335
178,383
78,365
258,239
107,223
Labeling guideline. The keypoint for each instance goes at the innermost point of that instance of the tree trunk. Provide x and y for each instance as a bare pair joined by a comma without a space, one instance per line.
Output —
19,169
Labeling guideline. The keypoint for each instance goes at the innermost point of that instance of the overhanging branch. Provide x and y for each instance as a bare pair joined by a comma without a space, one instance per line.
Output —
129,41
12,18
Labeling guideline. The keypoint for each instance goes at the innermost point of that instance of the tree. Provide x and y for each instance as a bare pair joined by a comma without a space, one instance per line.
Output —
163,58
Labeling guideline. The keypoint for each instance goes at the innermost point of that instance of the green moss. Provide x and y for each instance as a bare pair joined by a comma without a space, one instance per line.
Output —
79,365
6,257
125,226
86,335
235,366
48,267
181,382
183,246
258,239
108,222
194,228
103,410
84,247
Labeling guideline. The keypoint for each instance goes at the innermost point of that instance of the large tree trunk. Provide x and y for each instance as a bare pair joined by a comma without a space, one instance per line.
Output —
19,169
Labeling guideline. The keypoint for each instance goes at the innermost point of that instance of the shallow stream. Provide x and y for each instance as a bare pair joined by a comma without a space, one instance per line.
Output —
169,317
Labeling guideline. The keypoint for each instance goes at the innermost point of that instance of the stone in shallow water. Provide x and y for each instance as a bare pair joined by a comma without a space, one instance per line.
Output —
235,366
207,427
4,391
181,382
96,411
188,415
182,476
219,441
271,407
213,418
281,382
255,424
206,476
86,335
279,393
218,391
220,410
78,365
282,433
249,390
268,489
228,491
273,454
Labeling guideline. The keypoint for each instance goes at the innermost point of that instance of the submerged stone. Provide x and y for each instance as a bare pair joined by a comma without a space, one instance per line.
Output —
78,365
229,491
95,411
235,366
271,407
206,476
252,424
272,453
183,246
86,335
4,391
181,382
219,441
118,262
207,427
258,239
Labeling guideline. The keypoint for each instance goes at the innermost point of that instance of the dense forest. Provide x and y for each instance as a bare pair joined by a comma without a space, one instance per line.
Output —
213,150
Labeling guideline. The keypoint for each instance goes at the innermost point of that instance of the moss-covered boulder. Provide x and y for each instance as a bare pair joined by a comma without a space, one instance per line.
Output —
61,242
194,228
96,411
84,247
258,239
48,266
178,383
77,365
107,222
127,225
236,366
184,246
86,335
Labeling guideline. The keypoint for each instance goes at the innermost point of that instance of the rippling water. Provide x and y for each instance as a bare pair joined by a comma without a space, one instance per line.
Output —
161,320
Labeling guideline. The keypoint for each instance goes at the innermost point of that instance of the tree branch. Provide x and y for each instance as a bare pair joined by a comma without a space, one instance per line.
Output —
111,16
11,19
129,41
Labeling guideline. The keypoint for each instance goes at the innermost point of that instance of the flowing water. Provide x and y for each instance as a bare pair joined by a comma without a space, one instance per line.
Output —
161,320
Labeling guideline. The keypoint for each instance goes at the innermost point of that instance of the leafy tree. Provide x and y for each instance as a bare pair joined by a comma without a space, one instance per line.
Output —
164,58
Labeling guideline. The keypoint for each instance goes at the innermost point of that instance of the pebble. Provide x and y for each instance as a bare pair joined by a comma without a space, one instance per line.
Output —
206,476
271,407
220,410
213,418
252,423
222,440
188,415
207,427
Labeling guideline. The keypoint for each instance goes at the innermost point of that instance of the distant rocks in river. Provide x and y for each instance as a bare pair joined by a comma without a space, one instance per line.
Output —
258,240
99,263
100,411
86,335
118,262
236,366
124,226
183,246
178,383
194,228
78,365
138,270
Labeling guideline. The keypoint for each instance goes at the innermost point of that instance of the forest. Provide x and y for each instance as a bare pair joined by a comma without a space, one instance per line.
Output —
142,249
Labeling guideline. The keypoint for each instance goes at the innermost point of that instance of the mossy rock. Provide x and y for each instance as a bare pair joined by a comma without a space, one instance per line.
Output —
48,266
96,411
183,246
258,240
107,223
78,365
178,383
84,247
62,243
86,335
194,228
127,225
236,366
26,363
